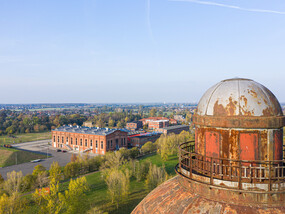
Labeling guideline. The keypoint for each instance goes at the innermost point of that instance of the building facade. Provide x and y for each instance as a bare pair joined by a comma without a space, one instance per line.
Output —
153,119
133,126
86,139
174,129
139,140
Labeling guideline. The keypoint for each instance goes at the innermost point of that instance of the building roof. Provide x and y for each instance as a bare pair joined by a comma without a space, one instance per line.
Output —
175,127
172,197
87,130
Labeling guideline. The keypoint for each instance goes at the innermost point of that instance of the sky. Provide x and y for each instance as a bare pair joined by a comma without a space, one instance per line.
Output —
128,51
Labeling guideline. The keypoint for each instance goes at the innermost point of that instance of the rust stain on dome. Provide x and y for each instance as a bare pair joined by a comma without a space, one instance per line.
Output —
172,197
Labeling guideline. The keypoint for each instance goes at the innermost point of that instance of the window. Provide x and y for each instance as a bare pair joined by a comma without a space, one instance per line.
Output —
96,144
111,143
62,139
85,142
108,144
66,139
57,138
124,141
90,142
53,138
76,141
80,142
71,141
101,144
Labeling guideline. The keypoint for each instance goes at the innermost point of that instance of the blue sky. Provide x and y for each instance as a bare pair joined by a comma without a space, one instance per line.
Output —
137,50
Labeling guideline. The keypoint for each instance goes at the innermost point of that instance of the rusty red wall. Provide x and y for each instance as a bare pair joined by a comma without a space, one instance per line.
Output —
212,141
248,146
245,144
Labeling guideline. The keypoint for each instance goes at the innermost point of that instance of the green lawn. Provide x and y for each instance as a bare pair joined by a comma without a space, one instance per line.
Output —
10,156
27,137
98,196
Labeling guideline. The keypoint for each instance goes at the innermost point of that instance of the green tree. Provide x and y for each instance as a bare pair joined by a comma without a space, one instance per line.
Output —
55,172
118,184
51,203
75,195
148,147
152,112
38,169
156,175
13,182
111,123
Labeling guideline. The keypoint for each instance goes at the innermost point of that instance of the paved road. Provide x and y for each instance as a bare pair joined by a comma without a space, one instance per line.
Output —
37,146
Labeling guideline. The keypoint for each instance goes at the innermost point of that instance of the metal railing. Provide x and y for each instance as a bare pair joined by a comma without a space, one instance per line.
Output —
240,171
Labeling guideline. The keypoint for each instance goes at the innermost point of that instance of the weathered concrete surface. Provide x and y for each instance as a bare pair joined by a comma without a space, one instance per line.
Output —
171,197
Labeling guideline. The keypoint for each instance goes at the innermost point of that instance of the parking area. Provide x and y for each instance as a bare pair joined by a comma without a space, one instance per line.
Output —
42,147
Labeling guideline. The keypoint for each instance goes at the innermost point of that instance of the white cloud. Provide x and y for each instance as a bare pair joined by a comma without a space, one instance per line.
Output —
232,6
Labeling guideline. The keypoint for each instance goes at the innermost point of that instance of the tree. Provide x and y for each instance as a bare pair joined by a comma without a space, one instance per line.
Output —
28,182
13,182
120,125
12,203
71,170
55,172
111,123
118,183
38,169
148,147
140,169
152,112
74,196
42,179
52,202
1,179
73,157
134,152
156,175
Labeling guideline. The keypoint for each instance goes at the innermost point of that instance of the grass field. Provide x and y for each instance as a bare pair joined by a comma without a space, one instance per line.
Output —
98,196
27,137
10,156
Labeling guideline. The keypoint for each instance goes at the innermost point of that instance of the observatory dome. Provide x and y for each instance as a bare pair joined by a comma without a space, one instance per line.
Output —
239,97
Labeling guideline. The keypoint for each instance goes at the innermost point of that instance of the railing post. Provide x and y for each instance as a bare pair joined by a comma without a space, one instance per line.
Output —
239,176
250,172
179,147
269,175
211,171
190,165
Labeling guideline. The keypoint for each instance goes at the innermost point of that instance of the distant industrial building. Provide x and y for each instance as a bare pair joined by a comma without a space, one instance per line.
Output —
133,126
174,129
138,140
86,139
158,122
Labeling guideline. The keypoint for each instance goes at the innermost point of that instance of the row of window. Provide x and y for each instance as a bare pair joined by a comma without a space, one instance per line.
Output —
109,143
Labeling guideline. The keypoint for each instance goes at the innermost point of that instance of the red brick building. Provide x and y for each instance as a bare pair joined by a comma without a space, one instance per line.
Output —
85,139
133,126
155,122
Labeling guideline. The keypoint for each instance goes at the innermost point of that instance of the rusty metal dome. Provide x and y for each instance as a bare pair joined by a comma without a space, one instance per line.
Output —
239,97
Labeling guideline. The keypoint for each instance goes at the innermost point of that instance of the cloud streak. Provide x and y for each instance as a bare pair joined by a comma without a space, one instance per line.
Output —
148,20
231,6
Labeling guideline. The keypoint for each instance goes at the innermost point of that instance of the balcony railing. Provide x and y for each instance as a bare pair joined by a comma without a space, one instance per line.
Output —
271,173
